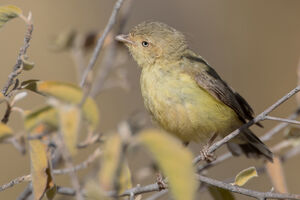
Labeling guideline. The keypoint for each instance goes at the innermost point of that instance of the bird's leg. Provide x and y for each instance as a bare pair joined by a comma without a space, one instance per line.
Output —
208,157
160,182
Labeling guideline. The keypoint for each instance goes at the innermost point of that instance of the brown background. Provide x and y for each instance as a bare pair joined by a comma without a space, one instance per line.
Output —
253,44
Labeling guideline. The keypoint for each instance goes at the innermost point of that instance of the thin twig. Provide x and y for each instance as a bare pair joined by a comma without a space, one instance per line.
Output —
18,66
267,136
100,42
15,182
80,166
244,191
289,121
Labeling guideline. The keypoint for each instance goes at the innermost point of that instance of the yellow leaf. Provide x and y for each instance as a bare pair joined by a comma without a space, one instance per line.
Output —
40,168
69,116
5,132
174,160
109,164
220,194
46,115
70,93
245,175
276,174
8,12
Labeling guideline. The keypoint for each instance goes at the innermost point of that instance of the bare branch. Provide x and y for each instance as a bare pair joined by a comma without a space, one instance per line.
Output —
100,42
279,127
244,191
282,120
15,181
80,166
18,66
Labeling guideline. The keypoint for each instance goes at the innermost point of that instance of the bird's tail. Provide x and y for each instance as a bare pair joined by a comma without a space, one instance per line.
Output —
252,147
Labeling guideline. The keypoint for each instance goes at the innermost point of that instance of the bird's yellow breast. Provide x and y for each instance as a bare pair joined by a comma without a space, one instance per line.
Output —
183,108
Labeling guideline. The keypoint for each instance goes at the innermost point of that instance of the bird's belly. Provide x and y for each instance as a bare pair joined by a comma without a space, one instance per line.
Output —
181,107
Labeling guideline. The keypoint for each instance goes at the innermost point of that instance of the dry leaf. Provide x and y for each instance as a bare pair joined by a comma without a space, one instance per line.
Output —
109,164
69,117
40,168
245,175
174,160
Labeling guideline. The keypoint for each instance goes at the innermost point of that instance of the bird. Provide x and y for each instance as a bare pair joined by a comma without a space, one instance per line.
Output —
185,95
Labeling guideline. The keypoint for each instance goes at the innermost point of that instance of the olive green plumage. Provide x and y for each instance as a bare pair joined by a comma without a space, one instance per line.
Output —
184,94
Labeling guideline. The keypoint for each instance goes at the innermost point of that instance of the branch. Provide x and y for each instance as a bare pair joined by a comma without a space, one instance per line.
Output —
289,121
247,192
18,66
260,117
100,42
279,127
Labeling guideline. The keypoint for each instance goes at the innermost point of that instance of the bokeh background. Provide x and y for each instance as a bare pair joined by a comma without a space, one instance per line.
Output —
253,44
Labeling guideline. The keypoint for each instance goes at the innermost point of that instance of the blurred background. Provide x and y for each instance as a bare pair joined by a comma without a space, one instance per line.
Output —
254,45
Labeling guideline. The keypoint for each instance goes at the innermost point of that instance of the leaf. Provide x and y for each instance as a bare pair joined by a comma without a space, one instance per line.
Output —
40,168
276,175
45,115
69,117
64,40
7,13
245,175
70,93
19,96
174,160
5,131
109,165
94,191
220,193
27,65
292,133
30,85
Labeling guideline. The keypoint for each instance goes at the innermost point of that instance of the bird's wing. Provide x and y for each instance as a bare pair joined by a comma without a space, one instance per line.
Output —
207,78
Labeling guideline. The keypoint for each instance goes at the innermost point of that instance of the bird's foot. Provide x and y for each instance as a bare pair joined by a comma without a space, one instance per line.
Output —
160,182
206,155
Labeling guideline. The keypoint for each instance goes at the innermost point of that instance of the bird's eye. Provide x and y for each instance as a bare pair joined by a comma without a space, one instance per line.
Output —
145,44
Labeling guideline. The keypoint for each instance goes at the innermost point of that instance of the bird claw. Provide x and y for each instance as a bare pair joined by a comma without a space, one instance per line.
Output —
160,182
208,157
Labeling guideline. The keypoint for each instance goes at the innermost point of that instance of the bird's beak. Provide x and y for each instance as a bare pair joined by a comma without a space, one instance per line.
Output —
123,38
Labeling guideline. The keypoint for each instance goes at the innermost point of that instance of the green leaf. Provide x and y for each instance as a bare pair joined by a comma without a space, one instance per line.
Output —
5,132
7,13
69,117
72,94
220,193
30,85
27,65
46,115
245,175
174,160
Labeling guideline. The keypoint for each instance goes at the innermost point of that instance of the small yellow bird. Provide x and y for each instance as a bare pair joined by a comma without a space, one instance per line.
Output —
184,94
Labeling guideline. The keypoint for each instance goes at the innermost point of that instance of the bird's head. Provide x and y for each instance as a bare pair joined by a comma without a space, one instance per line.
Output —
151,42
